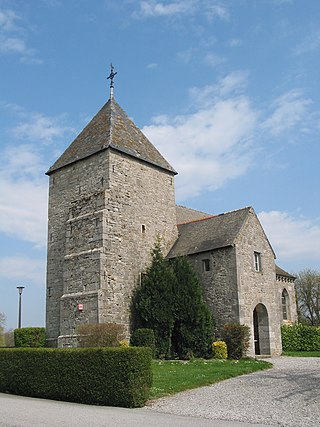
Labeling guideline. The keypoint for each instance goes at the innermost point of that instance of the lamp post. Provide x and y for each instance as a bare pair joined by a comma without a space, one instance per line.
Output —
20,289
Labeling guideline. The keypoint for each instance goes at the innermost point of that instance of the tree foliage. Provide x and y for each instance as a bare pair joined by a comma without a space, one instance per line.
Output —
170,302
308,296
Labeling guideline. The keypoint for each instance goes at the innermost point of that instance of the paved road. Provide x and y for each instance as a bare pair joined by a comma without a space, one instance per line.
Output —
17,411
287,395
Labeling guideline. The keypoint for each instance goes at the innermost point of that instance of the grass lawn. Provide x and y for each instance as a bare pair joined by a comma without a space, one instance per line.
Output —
172,376
302,353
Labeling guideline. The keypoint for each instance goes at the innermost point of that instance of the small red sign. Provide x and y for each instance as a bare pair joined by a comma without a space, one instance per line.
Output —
80,307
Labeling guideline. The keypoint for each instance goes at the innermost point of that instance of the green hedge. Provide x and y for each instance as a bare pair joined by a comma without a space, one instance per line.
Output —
100,376
29,337
300,337
144,337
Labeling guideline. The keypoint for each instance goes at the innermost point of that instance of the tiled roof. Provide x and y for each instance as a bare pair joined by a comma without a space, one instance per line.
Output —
111,128
209,233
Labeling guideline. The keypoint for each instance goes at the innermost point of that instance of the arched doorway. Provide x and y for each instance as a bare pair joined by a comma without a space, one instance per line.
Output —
261,330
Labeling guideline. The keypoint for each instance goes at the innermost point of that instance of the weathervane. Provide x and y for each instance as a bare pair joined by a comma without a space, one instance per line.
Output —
111,77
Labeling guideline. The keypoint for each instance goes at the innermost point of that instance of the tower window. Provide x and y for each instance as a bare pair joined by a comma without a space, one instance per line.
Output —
205,265
257,261
143,228
285,304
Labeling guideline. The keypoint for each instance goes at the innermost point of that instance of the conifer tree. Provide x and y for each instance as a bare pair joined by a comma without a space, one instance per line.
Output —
170,301
153,301
193,327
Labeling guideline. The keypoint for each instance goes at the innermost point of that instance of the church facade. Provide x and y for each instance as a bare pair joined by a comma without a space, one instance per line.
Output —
111,193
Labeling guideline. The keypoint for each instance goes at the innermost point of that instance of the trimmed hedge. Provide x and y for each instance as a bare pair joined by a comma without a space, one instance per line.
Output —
300,337
29,337
99,376
144,337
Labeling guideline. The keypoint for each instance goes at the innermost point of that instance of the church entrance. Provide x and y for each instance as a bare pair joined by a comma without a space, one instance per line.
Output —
261,330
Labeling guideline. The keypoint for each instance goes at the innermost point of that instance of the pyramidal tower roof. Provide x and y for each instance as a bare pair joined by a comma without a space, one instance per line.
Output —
111,128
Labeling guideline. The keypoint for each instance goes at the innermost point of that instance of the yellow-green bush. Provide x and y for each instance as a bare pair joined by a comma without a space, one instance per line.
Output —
98,376
219,350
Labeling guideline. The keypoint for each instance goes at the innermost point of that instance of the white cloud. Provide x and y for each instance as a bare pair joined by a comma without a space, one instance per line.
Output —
203,147
40,127
232,83
213,59
309,44
217,10
23,209
23,269
289,109
13,37
234,42
152,8
292,238
23,185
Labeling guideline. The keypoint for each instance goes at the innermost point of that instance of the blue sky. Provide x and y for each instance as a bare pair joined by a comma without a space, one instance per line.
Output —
228,91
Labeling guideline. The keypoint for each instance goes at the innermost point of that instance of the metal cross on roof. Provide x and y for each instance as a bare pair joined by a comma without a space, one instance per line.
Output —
111,77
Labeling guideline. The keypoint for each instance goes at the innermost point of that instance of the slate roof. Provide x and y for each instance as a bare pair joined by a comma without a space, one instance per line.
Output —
207,234
283,273
111,128
185,214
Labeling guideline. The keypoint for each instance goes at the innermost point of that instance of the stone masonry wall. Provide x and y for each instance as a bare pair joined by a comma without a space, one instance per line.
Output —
140,205
76,195
258,287
104,215
220,284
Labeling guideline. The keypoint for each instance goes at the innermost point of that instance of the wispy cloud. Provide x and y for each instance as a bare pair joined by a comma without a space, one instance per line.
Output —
23,186
309,44
211,9
37,126
13,37
213,59
152,8
23,269
289,109
292,237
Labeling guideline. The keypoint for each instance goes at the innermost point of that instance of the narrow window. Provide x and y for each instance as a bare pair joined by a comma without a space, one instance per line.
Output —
143,228
205,265
285,304
257,261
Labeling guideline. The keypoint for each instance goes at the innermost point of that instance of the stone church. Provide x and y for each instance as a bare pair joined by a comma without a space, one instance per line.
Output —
110,194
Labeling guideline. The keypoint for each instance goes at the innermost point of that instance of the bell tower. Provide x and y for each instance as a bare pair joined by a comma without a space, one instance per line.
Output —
110,194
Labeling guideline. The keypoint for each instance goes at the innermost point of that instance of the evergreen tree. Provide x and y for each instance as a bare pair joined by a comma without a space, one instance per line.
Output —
170,301
153,301
193,325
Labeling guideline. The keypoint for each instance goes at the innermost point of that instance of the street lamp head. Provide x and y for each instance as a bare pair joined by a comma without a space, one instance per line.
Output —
20,289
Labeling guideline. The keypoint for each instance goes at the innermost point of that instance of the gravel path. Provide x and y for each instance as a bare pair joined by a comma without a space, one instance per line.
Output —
287,395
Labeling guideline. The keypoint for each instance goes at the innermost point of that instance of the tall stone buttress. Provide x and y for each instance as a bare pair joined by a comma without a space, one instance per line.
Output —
111,193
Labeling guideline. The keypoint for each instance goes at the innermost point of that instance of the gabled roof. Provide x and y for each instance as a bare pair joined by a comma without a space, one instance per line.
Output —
111,128
209,233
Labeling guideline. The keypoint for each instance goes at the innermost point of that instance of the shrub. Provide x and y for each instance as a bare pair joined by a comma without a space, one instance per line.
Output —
143,337
300,337
219,350
100,335
103,376
29,337
237,339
